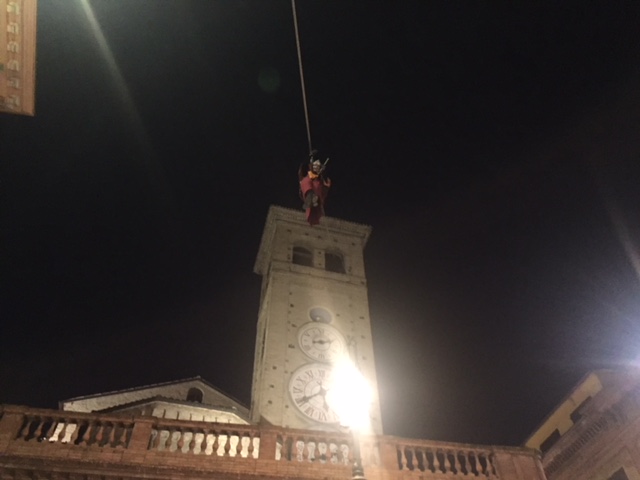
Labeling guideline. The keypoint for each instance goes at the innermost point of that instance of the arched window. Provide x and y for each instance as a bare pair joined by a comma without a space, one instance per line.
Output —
333,262
195,395
302,256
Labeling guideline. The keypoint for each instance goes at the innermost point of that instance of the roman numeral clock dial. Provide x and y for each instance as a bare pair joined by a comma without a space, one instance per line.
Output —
310,384
321,342
308,388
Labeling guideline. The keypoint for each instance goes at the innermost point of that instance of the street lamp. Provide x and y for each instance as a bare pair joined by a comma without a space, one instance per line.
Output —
350,396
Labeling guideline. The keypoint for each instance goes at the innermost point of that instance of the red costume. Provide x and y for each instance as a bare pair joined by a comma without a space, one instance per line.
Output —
318,185
313,190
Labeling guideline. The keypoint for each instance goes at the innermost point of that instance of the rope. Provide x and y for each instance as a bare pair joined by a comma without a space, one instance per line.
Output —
304,94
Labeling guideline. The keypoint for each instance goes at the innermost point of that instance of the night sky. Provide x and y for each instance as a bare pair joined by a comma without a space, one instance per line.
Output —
494,147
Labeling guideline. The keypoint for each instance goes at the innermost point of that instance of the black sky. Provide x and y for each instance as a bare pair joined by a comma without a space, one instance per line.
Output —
494,148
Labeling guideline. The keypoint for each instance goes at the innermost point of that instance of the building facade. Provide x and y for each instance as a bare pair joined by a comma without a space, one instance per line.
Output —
313,316
594,434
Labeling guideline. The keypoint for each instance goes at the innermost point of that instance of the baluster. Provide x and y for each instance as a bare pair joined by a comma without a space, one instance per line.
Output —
77,435
85,433
120,435
37,432
99,430
192,443
452,462
344,449
428,460
418,459
153,439
436,462
474,463
198,439
463,466
484,464
94,429
125,437
333,453
180,440
250,446
66,431
411,458
402,462
244,445
35,423
46,434
187,438
479,464
166,439
215,446
444,462
163,438
175,438
300,450
210,438
32,425
227,445
105,433
311,447
255,446
289,448
234,444
24,428
114,435
322,452
222,442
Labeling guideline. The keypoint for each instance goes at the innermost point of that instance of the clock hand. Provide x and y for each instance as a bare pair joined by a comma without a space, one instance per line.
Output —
323,392
306,398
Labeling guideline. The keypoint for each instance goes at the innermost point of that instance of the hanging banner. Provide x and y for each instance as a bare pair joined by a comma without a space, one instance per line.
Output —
18,56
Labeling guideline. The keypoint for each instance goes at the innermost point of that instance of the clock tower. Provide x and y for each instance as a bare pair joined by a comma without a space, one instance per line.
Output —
313,313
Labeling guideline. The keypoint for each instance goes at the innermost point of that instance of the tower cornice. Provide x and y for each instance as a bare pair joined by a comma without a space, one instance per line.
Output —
296,218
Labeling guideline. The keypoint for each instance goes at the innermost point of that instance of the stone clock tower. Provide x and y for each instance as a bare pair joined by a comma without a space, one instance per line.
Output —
313,311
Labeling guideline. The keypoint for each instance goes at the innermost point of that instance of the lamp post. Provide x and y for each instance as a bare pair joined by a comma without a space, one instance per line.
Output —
350,397
357,472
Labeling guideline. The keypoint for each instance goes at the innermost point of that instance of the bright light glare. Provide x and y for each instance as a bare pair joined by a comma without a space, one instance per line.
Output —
350,396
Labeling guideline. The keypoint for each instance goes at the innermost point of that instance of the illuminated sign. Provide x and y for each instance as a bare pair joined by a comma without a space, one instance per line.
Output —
17,56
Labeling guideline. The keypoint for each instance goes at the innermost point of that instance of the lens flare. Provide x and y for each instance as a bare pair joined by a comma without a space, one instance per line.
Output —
350,396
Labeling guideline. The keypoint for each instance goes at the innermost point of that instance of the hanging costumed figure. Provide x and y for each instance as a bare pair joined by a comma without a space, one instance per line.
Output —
314,188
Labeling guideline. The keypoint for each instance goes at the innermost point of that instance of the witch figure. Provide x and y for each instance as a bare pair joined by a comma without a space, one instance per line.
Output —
314,188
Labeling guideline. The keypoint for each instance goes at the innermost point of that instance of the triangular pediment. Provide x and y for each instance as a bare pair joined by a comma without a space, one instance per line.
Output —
191,398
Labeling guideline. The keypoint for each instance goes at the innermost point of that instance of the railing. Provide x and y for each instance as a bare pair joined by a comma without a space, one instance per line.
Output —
313,448
245,450
205,440
76,431
326,448
452,460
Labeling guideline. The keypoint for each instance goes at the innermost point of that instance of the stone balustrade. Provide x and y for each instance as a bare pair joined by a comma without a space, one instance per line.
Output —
205,439
59,427
457,460
35,441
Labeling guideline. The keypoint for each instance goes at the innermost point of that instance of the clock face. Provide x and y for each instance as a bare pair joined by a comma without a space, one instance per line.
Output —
321,342
308,388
